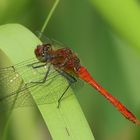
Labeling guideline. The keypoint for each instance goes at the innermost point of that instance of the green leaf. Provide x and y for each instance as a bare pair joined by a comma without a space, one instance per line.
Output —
123,16
65,123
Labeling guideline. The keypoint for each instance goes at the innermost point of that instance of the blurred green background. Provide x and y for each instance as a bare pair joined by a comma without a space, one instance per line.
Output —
105,44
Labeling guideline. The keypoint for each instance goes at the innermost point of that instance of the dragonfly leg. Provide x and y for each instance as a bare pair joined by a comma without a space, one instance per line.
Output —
59,100
45,77
36,65
70,79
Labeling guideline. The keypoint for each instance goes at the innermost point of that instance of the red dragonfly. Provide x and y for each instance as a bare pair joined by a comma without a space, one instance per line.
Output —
66,62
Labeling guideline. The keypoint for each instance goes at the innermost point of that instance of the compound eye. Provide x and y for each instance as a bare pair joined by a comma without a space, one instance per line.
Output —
38,50
46,47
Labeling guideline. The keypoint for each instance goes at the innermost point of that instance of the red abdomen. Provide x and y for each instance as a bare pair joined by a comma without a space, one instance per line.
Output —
84,74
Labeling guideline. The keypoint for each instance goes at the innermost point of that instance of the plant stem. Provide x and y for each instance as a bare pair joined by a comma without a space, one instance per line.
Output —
48,17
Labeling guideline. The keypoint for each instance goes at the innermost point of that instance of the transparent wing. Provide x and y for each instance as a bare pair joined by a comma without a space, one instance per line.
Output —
16,92
11,86
53,42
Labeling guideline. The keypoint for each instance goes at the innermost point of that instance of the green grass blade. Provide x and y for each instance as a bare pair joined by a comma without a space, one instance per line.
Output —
123,16
66,123
49,16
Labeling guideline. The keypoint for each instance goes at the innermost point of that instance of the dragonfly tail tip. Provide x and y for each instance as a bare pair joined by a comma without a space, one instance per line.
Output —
137,122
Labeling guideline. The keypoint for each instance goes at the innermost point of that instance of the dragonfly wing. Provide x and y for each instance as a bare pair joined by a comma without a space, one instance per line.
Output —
17,92
53,42
44,38
12,87
77,85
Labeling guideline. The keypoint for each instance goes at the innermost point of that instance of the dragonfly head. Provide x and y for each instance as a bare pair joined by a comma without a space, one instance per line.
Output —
42,52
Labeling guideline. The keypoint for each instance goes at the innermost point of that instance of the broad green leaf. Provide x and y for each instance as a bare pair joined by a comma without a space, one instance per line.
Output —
64,123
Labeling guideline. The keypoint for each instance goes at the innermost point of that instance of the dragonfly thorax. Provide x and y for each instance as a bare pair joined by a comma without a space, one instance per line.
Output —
63,58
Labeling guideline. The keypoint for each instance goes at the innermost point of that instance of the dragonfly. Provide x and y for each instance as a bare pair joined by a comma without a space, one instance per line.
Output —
51,63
